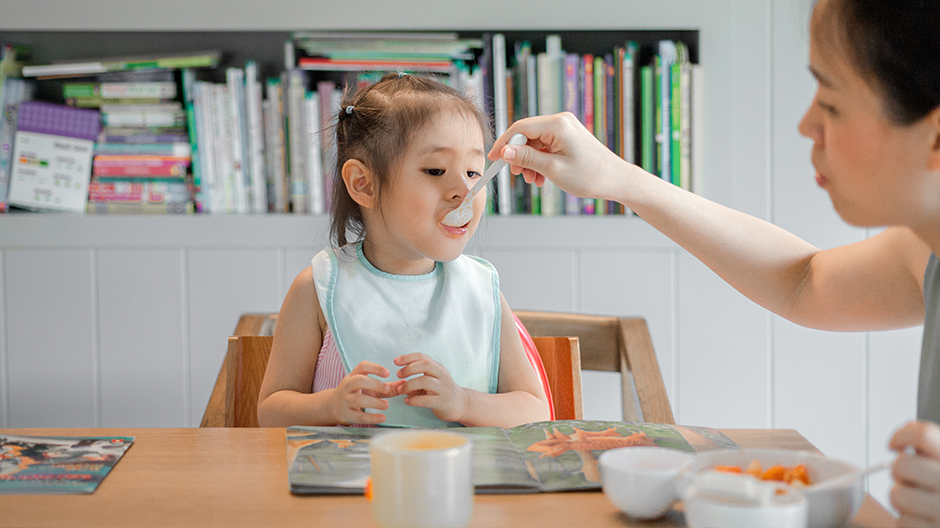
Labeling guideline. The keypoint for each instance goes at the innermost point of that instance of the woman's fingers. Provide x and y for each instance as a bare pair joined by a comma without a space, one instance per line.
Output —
919,471
923,436
916,504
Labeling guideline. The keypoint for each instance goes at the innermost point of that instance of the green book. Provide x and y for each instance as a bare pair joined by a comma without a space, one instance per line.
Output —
647,128
675,122
658,114
600,115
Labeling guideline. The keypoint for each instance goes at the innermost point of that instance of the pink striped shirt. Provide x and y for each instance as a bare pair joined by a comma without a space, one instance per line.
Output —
330,370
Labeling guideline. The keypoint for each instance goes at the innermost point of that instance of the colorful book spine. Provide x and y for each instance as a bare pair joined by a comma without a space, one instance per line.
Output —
255,139
647,127
189,103
572,103
15,91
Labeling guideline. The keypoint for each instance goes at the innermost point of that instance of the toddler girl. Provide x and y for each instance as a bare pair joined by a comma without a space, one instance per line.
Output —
396,293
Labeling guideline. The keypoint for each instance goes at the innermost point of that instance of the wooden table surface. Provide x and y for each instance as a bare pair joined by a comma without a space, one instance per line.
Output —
238,477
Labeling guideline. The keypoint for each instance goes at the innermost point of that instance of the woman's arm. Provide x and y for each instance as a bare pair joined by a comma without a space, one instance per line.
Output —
868,285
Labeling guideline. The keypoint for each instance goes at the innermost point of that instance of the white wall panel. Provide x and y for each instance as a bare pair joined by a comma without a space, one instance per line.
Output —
143,349
819,387
893,361
53,365
722,352
223,284
635,283
295,260
535,280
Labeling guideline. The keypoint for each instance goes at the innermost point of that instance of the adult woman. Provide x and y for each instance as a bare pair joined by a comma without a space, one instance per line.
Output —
875,124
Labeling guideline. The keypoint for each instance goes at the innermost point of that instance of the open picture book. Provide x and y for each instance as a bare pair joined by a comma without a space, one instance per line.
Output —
540,456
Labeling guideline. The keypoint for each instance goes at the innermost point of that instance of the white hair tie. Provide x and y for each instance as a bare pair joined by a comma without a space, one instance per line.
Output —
349,109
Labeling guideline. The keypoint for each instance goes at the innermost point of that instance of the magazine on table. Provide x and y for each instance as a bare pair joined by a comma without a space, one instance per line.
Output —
541,456
35,464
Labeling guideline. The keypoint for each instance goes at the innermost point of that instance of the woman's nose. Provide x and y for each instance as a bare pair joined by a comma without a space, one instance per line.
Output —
810,126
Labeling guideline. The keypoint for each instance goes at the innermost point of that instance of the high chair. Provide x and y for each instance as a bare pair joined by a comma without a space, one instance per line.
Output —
234,398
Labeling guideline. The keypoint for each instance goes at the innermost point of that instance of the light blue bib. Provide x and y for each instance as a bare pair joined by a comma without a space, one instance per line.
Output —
452,314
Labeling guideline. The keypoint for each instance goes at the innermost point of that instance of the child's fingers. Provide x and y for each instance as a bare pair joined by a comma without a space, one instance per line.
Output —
405,359
421,385
429,401
357,382
368,367
363,400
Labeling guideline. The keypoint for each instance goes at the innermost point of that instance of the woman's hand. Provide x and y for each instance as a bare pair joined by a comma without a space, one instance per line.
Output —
562,150
916,491
434,389
358,392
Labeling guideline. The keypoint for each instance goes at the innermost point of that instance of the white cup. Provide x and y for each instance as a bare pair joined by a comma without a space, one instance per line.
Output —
421,479
741,501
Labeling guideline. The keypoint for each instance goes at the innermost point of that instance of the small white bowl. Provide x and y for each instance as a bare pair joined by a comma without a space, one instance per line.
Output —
641,481
827,507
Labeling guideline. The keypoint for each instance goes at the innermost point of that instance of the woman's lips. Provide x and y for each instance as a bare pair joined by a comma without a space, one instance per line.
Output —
821,180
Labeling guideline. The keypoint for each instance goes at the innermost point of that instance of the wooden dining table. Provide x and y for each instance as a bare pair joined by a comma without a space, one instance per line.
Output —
233,477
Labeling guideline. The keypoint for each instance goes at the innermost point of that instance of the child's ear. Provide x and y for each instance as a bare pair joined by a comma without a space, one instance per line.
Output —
359,185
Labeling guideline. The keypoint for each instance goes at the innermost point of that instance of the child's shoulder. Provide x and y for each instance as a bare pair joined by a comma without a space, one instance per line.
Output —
475,262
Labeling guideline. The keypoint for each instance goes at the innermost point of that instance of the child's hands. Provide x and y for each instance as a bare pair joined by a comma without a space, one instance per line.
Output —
434,390
916,492
358,392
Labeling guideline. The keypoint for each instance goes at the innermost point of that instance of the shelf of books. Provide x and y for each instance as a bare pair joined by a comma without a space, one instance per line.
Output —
186,129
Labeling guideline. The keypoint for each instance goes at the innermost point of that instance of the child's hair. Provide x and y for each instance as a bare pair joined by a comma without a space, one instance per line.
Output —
375,126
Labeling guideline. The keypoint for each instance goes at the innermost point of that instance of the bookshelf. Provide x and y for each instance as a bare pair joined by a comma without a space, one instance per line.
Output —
109,282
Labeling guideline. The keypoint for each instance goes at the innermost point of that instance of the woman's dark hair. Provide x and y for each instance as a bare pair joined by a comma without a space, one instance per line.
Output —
377,129
893,44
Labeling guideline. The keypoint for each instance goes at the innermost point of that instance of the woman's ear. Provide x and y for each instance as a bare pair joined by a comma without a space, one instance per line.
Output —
359,183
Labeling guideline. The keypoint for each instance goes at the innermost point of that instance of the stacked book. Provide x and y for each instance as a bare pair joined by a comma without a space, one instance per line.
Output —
142,155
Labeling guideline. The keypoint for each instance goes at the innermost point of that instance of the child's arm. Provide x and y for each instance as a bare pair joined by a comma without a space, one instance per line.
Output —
285,398
520,398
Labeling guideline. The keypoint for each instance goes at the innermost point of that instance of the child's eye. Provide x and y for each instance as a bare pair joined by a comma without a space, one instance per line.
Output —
435,172
473,174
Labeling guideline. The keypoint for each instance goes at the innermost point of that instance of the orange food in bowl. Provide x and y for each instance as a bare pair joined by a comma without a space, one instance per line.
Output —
792,475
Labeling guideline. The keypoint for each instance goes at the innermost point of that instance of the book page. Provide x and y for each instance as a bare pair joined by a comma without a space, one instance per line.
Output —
564,454
33,464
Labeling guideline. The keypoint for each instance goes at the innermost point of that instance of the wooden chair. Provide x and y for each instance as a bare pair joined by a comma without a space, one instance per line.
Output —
234,398
614,344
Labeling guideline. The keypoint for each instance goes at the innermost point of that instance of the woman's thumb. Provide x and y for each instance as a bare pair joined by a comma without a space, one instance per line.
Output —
526,157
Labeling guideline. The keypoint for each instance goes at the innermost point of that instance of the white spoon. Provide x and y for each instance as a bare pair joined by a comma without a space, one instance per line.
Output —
462,214
849,477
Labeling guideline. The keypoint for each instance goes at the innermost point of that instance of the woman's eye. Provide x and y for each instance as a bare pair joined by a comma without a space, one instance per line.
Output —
829,109
435,172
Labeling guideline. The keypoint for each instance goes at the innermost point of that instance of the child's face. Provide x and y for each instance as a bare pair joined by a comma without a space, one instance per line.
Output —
443,161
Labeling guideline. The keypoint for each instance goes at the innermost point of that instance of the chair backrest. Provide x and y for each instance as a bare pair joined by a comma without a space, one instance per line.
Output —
614,344
234,399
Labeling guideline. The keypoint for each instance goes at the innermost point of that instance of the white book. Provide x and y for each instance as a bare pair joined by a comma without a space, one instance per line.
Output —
255,150
276,96
501,120
205,141
296,121
270,132
548,97
222,127
314,157
685,125
235,82
135,90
